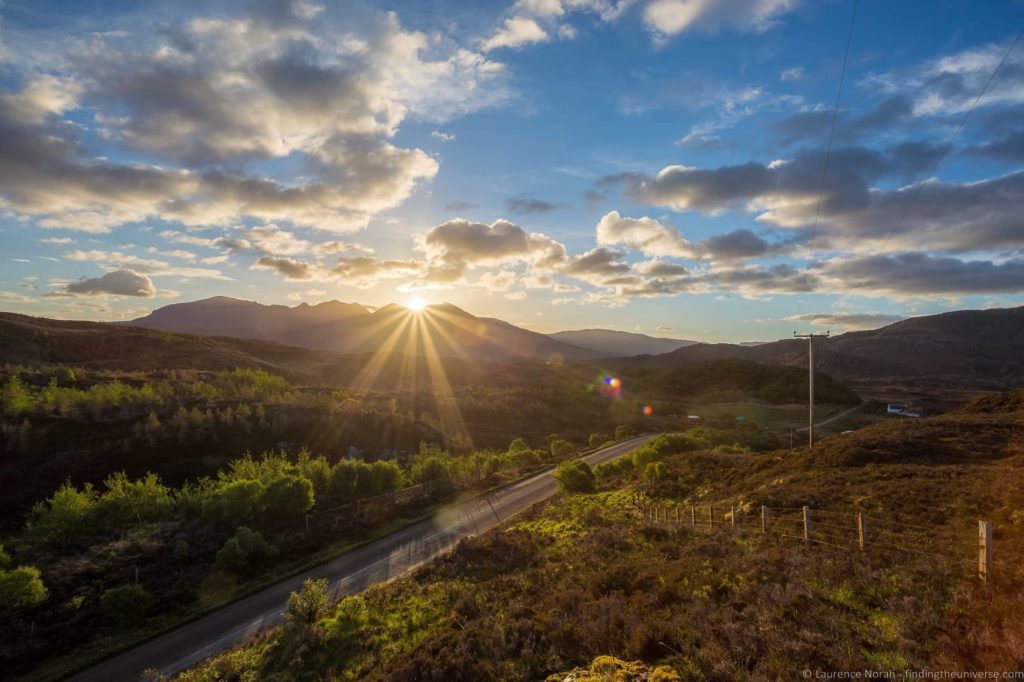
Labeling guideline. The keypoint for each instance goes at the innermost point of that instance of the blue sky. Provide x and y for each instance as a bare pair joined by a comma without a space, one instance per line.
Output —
652,165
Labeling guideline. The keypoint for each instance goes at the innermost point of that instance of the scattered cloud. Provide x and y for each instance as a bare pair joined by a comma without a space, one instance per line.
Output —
668,18
116,283
530,206
514,33
443,136
793,74
846,320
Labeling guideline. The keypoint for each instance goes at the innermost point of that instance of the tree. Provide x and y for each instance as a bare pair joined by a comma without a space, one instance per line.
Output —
518,445
575,476
127,502
125,605
68,514
307,604
21,587
236,501
598,439
289,496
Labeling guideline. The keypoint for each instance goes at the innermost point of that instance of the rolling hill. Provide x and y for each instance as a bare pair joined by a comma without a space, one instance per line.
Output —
966,348
351,328
614,343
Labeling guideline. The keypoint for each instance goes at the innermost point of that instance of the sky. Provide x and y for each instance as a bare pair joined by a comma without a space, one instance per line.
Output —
659,166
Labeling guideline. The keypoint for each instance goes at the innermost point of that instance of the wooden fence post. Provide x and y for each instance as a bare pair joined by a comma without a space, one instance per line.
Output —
711,517
862,535
732,516
984,549
807,523
693,515
764,519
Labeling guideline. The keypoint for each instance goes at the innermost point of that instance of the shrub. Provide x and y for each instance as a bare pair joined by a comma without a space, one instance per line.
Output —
21,587
623,431
575,476
306,605
560,449
244,550
655,472
617,466
125,605
518,445
598,439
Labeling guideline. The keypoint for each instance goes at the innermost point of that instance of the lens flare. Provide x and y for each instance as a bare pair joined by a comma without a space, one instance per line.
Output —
648,410
416,304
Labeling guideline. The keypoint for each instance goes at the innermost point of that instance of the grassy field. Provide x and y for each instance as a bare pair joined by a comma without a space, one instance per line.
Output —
586,576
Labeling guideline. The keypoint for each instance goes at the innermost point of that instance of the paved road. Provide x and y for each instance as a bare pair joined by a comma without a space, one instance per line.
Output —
831,419
382,560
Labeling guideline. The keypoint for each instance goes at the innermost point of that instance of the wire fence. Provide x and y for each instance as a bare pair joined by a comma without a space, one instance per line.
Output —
853,531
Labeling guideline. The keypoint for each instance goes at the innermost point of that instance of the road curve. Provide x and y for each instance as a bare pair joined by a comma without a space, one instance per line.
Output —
833,418
378,561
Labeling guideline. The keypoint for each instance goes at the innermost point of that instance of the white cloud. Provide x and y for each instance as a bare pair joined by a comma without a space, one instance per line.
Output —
516,32
116,283
794,74
667,18
645,234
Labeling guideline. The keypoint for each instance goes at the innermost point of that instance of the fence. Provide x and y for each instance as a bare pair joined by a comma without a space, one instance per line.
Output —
841,530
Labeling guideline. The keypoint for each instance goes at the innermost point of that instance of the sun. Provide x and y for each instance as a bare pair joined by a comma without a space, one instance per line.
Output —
416,304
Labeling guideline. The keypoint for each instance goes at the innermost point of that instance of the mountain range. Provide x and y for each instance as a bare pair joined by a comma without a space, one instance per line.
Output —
352,328
962,349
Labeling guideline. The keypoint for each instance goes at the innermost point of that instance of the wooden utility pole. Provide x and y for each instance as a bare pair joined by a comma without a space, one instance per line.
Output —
810,393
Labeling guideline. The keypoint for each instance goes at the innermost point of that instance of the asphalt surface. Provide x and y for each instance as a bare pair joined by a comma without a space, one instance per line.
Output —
831,419
384,559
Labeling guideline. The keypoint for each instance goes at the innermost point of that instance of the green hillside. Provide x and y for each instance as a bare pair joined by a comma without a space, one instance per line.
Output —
590,576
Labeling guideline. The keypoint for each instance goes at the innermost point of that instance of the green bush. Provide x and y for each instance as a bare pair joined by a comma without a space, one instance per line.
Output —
125,605
615,467
308,604
655,472
575,476
560,449
21,587
245,550
623,431
598,439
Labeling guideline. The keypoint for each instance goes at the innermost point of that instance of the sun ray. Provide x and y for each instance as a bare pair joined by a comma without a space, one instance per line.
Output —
448,410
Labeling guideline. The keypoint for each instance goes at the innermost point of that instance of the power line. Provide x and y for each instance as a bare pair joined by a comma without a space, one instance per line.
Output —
835,116
949,144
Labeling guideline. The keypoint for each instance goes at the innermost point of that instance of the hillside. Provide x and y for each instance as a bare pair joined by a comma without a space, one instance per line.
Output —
732,378
442,329
612,343
100,345
967,348
589,576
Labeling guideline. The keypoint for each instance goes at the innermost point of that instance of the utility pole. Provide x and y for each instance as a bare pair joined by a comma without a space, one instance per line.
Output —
810,393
